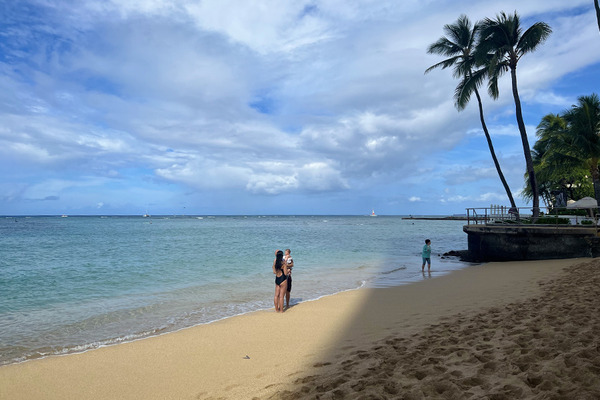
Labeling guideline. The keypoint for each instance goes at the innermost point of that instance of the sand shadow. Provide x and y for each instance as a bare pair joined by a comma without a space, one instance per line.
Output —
294,301
423,347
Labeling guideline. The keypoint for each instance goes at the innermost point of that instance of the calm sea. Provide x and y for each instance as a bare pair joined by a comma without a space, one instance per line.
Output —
77,283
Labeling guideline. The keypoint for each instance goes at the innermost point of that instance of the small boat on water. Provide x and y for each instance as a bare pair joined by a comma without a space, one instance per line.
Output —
373,213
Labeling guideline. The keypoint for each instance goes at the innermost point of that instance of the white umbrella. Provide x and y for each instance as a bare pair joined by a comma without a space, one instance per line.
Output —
586,202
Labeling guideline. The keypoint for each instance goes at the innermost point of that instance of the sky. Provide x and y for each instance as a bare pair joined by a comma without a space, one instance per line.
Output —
266,107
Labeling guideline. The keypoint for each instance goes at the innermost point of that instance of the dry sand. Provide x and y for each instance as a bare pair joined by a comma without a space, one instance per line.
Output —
497,331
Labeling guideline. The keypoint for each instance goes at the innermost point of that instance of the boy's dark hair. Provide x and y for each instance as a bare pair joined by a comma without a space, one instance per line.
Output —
427,241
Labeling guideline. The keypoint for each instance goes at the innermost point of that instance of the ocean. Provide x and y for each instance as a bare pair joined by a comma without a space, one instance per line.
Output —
77,283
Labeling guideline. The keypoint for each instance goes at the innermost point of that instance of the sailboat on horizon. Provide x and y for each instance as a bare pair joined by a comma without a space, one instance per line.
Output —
373,213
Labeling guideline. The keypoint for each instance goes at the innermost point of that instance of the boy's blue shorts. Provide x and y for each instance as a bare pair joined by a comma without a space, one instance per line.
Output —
426,260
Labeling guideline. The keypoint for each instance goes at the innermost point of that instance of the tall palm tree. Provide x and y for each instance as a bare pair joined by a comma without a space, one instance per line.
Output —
583,121
459,45
502,45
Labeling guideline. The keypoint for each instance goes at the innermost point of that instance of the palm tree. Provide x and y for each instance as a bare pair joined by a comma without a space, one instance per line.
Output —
567,152
558,167
459,46
583,122
502,46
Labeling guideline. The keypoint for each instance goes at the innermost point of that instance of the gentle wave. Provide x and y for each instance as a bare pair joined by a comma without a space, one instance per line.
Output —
393,270
80,283
16,355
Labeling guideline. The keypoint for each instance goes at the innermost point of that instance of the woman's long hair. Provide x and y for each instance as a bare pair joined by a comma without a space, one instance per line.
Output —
278,259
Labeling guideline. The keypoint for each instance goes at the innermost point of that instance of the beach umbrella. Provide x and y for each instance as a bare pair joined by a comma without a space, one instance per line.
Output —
586,202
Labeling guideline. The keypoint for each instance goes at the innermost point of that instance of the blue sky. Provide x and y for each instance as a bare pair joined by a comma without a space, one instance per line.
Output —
265,106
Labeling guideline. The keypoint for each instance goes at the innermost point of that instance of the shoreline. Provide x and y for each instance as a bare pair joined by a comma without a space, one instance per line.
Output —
95,291
118,342
209,360
134,337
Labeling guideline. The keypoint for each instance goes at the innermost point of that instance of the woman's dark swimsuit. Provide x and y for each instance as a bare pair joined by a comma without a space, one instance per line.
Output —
280,279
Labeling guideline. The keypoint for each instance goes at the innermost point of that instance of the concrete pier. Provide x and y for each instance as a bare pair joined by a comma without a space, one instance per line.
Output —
490,242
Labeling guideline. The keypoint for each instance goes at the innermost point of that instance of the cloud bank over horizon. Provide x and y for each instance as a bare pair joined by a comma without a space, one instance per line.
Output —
264,107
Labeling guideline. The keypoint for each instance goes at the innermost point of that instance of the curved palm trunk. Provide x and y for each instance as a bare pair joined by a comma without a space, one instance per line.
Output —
493,152
597,12
526,148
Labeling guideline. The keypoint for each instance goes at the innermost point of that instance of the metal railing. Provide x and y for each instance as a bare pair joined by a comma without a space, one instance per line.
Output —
524,216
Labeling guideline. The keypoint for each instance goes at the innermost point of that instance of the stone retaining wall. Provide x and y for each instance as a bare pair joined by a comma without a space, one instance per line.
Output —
531,242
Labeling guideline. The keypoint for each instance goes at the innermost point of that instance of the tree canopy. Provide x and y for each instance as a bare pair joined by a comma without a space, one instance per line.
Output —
567,152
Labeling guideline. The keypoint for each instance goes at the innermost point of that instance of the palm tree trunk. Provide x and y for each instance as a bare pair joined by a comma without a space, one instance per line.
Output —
597,12
493,152
526,148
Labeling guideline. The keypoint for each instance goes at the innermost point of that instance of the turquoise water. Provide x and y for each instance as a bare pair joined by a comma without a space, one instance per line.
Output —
77,283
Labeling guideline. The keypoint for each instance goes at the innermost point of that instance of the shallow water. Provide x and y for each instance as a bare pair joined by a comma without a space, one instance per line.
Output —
71,284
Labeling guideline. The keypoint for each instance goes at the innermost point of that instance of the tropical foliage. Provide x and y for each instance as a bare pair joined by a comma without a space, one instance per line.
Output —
583,120
556,176
567,152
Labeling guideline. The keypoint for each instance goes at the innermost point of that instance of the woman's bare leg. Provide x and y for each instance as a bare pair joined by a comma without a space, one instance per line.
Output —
282,292
276,299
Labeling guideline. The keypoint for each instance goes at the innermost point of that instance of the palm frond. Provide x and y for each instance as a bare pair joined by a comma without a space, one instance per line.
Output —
496,68
444,47
532,37
457,46
466,87
450,62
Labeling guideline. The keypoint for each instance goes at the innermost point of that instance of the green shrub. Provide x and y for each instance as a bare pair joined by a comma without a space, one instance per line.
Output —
587,222
565,211
553,221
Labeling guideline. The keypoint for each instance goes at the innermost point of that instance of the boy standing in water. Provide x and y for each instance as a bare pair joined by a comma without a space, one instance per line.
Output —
287,258
426,255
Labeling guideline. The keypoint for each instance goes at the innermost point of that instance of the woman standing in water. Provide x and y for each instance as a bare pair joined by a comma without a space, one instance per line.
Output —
281,271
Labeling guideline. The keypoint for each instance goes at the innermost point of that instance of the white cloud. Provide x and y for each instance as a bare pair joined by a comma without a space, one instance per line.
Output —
54,188
312,177
320,176
498,130
551,98
203,173
485,197
461,174
264,26
265,97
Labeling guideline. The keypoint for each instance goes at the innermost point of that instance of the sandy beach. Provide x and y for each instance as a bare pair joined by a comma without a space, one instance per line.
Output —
498,331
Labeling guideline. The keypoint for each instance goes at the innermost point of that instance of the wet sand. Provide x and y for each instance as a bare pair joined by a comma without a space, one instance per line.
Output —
545,346
498,331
